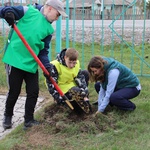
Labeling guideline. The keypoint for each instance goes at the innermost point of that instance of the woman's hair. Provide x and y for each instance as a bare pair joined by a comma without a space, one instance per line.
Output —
98,63
72,54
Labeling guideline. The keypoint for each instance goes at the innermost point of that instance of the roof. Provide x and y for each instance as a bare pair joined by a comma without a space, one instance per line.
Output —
21,1
88,3
14,1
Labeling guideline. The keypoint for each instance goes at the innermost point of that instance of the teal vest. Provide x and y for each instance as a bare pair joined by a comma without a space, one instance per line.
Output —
126,77
34,28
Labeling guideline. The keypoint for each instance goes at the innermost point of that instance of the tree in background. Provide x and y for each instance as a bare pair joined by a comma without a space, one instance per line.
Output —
141,5
148,9
148,5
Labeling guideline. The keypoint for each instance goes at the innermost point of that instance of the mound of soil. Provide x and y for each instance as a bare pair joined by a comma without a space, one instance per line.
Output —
62,117
75,115
60,121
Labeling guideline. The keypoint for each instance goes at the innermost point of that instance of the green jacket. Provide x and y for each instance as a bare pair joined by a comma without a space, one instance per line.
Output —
34,27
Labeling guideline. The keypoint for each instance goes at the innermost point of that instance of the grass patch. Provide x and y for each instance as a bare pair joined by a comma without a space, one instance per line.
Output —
61,128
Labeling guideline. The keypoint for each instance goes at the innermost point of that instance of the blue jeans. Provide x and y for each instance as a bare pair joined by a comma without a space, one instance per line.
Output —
121,97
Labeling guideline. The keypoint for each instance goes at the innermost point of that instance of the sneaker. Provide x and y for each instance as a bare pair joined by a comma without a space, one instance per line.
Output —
30,124
7,122
95,103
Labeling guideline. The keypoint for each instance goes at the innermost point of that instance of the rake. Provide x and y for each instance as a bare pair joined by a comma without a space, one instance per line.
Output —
42,66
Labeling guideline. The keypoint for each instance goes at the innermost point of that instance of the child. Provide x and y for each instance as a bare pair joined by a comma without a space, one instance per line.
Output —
68,75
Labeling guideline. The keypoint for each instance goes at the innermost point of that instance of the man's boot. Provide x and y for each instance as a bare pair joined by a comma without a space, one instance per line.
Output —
7,122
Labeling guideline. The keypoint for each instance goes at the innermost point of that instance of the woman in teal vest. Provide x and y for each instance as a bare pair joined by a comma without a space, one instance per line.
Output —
34,22
117,84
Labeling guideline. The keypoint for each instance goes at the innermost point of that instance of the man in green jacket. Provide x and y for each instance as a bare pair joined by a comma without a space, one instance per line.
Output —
34,22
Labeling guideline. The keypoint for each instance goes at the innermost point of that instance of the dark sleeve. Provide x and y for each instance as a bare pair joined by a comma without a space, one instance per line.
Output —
43,55
80,80
37,6
18,11
51,88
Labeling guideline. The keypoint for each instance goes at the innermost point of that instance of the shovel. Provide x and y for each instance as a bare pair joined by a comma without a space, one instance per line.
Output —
42,66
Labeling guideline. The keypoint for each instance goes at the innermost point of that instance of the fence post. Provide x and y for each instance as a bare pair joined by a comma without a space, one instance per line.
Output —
58,35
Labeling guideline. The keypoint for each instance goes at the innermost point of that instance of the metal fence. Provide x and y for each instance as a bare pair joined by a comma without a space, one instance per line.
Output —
121,32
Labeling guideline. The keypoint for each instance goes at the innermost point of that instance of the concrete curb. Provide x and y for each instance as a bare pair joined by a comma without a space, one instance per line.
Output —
18,117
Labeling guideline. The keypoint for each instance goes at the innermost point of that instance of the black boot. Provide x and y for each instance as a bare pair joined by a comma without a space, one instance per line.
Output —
7,122
30,124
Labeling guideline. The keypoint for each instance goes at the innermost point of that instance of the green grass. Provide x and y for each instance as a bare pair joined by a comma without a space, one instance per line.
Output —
115,131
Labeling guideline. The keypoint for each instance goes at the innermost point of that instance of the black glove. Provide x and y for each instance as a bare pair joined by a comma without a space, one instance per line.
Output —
10,18
47,76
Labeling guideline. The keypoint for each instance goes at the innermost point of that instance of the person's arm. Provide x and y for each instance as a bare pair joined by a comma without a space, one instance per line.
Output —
112,80
80,81
101,96
43,54
51,88
18,11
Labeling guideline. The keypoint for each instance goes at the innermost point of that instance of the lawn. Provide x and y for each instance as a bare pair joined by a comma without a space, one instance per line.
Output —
61,128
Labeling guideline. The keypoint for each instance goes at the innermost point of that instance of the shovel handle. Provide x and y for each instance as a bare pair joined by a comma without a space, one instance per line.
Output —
41,65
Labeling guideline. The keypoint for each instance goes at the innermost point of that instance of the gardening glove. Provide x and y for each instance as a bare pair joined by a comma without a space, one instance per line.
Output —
10,18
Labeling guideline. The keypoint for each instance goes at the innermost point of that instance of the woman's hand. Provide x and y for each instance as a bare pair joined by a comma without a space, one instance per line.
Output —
97,114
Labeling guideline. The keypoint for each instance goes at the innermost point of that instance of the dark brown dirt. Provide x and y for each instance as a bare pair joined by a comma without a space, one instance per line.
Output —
59,120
